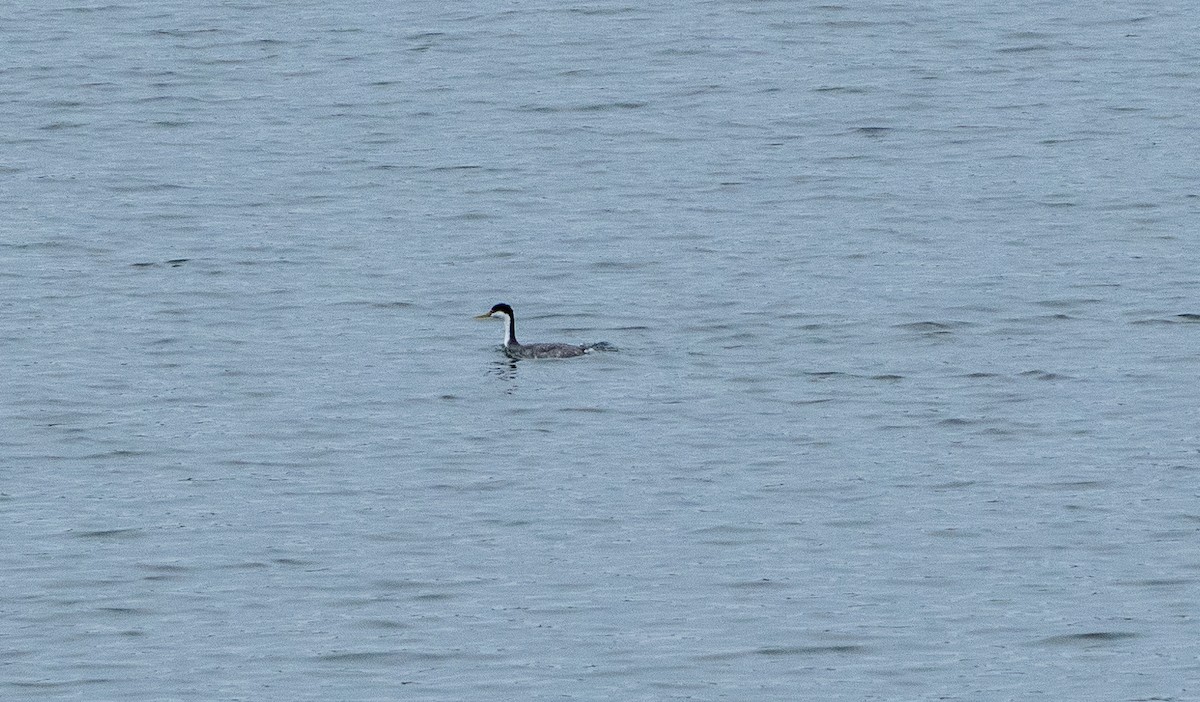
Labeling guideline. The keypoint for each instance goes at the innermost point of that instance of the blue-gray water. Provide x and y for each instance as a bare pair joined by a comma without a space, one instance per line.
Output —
906,406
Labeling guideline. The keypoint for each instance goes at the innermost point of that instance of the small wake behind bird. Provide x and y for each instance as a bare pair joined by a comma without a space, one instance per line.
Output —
516,349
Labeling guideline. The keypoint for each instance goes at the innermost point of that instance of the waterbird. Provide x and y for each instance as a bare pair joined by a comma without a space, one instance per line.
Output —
516,349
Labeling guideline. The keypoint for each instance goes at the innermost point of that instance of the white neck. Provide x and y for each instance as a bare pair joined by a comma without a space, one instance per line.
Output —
510,332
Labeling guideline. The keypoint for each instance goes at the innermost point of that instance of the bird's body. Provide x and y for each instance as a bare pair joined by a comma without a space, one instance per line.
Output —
544,350
516,349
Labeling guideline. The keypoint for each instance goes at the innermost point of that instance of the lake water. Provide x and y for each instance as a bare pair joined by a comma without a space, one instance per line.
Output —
905,407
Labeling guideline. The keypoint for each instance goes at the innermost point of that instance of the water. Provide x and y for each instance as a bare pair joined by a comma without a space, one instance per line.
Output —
905,406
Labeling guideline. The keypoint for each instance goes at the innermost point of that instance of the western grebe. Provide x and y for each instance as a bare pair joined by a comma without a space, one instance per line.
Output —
516,349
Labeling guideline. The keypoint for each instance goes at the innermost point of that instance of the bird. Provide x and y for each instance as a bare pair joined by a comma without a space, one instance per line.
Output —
516,349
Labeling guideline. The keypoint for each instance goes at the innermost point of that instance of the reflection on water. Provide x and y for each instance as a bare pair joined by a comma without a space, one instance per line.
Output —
505,368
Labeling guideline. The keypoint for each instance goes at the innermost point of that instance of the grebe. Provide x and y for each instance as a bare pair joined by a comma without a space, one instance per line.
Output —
516,349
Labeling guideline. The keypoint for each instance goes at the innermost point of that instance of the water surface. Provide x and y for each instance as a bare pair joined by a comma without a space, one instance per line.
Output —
905,406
